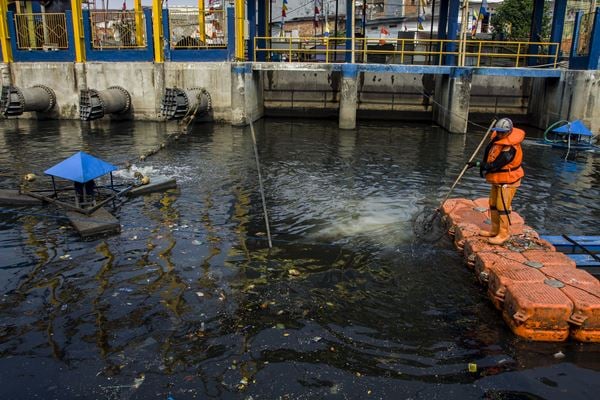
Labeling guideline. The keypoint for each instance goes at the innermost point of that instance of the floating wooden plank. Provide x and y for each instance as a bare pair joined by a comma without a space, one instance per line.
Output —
591,243
157,185
13,198
101,222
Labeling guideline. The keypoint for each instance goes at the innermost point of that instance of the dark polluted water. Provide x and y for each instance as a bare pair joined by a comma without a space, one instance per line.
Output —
188,302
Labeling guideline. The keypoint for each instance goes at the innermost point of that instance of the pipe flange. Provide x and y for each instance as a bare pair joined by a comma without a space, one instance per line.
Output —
127,98
205,92
51,94
208,99
19,94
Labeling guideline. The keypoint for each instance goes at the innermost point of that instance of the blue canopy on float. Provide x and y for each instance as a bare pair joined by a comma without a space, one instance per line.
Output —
576,128
80,167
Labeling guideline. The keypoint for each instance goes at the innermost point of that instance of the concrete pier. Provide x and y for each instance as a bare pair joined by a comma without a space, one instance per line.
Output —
575,95
246,94
452,98
348,97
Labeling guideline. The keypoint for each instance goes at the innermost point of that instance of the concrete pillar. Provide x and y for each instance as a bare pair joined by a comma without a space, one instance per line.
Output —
159,88
81,76
576,95
246,94
348,96
452,98
5,76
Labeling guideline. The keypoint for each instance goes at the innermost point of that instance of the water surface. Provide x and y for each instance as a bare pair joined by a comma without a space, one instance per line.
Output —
189,302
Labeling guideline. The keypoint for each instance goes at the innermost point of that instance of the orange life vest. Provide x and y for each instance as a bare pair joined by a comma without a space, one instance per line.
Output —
513,171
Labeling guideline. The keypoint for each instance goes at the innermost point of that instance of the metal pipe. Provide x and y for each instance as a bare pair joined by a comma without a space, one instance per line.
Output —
95,104
178,103
15,101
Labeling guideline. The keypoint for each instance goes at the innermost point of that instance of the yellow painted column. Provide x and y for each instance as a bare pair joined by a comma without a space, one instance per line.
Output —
240,15
77,17
158,31
139,22
30,24
4,38
201,21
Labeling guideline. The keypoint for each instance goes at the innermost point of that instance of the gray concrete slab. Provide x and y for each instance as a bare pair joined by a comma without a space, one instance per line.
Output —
100,222
13,198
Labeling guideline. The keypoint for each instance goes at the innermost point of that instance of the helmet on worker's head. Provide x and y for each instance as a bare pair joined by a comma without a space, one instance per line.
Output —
503,126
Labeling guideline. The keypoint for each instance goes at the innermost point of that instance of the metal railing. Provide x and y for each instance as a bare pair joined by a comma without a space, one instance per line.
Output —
117,29
43,31
193,29
478,53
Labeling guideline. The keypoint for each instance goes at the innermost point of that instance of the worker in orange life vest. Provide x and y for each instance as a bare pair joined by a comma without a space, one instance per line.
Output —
501,167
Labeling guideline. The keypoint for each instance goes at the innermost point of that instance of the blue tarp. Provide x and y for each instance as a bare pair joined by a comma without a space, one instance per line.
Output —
80,167
575,127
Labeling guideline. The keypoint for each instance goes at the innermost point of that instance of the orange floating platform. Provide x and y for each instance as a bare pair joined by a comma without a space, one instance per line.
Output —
540,292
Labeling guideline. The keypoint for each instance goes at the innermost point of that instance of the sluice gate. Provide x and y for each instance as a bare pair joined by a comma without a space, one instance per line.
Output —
95,104
541,294
180,103
14,101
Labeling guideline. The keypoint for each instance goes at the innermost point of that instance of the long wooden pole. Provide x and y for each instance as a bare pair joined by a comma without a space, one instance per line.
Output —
467,164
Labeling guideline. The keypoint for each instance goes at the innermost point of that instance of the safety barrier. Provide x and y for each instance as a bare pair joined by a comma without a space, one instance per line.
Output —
117,29
196,29
478,53
41,31
541,295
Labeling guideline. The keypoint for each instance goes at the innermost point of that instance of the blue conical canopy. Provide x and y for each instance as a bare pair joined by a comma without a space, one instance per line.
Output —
576,127
80,167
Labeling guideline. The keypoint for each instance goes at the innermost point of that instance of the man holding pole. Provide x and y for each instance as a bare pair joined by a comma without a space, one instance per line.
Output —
501,167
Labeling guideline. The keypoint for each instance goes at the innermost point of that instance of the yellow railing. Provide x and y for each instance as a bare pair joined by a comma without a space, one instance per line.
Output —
41,31
477,53
186,30
117,29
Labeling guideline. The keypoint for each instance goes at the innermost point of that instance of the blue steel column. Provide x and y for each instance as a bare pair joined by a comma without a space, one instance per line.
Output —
594,52
442,26
558,24
165,42
262,28
230,33
349,33
452,33
536,30
575,38
251,4
442,19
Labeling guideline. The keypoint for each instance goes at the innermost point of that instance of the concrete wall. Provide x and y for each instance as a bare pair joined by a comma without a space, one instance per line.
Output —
305,93
499,95
215,77
145,82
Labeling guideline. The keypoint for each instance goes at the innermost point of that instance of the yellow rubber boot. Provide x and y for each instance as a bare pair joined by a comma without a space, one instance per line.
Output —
503,232
495,218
